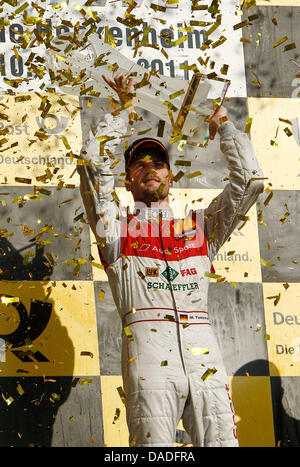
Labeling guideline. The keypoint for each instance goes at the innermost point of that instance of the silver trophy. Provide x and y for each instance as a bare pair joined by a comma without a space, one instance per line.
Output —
178,102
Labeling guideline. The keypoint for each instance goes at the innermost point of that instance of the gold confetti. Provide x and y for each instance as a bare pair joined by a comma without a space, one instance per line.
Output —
211,275
288,132
101,295
23,180
281,41
285,216
248,125
266,263
290,47
9,400
122,394
241,25
9,300
209,372
85,380
20,389
117,415
128,333
88,354
268,199
194,174
276,297
199,351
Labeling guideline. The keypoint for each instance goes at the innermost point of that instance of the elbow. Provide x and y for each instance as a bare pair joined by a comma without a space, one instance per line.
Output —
256,185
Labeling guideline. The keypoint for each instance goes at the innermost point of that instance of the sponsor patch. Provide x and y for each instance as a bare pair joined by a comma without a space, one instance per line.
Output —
152,272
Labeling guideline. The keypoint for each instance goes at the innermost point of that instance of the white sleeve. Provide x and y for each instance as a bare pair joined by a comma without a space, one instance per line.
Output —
97,185
245,185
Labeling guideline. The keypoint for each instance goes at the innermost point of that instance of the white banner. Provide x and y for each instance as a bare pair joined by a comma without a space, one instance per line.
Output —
172,37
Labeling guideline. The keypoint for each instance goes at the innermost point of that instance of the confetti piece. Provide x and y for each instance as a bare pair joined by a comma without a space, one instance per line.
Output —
276,297
289,47
9,400
164,363
211,275
117,415
122,394
183,163
101,295
281,41
88,354
248,125
241,25
268,199
194,174
209,372
23,180
288,132
128,333
20,389
9,300
178,176
285,216
160,129
266,263
85,381
199,351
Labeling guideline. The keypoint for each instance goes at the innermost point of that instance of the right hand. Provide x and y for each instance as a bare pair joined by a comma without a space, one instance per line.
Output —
216,119
124,87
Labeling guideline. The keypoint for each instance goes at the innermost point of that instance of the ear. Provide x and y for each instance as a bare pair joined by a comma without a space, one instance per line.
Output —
127,182
171,177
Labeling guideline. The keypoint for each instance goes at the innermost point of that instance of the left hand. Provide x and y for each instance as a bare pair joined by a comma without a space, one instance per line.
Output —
216,119
124,87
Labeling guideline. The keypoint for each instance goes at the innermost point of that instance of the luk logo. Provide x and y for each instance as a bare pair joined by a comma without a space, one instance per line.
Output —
29,328
60,124
152,272
170,274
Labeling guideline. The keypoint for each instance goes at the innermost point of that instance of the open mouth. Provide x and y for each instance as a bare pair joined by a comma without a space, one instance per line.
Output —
151,179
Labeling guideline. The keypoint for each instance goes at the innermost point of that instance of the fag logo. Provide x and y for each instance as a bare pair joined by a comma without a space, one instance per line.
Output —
170,274
152,272
188,272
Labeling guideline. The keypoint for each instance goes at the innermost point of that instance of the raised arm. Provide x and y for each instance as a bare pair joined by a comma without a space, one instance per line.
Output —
245,183
96,178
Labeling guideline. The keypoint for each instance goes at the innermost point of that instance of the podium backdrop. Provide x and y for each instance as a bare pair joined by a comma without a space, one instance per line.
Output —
59,329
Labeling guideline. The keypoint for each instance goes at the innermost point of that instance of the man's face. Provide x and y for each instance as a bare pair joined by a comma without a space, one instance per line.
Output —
149,178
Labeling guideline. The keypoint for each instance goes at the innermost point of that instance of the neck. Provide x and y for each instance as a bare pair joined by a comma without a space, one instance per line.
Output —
154,203
153,210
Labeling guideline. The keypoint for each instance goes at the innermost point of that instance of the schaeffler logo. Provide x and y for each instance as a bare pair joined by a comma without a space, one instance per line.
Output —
46,124
170,274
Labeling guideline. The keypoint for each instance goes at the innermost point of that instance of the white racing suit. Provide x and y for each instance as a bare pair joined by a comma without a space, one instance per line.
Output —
157,269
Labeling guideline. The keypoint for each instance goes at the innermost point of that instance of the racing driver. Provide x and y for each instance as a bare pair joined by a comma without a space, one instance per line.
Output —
158,269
